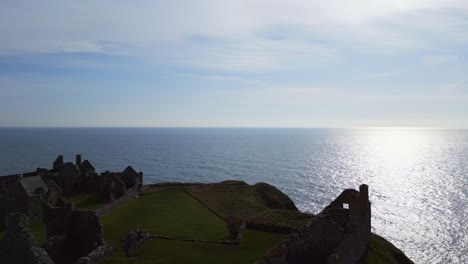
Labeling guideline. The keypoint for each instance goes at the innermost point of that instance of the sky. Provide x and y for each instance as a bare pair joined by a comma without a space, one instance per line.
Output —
241,63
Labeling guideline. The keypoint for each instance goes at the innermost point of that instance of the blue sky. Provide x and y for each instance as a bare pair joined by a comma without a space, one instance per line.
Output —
234,63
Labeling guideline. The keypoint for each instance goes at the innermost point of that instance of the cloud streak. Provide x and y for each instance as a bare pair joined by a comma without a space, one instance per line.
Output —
312,32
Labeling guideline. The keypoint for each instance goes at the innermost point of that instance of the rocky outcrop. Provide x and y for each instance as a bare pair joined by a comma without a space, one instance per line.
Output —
18,245
274,198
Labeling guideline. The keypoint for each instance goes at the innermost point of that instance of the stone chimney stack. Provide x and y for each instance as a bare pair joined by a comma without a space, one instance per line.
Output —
364,192
78,160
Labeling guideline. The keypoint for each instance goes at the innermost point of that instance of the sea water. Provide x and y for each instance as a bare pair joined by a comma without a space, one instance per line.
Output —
418,178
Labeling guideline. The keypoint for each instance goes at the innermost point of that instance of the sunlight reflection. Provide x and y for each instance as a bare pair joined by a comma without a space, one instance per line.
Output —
396,145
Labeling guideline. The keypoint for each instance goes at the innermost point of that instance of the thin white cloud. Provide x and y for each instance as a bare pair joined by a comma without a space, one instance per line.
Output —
437,60
377,75
214,77
312,32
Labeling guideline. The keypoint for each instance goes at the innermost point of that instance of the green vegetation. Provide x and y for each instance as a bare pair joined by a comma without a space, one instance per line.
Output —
254,244
197,212
383,252
38,231
172,212
169,212
249,203
274,198
87,201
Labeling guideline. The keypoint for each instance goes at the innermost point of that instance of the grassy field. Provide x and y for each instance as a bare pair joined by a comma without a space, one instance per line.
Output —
174,213
253,246
169,212
244,201
87,201
37,230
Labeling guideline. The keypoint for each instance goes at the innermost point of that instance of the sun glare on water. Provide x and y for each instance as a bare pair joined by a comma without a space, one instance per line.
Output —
396,145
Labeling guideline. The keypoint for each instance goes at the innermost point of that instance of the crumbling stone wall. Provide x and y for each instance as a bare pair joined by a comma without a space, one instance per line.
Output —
34,209
19,246
72,234
57,219
97,255
17,199
114,187
54,193
85,232
3,211
354,246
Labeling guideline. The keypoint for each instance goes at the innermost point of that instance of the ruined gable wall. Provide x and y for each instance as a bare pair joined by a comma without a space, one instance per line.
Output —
34,211
68,178
336,236
353,248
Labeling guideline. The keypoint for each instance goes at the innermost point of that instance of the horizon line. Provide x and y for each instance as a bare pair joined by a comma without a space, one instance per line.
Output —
252,127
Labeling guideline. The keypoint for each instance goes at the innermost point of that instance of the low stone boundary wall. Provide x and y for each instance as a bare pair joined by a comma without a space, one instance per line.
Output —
225,242
175,184
271,228
135,239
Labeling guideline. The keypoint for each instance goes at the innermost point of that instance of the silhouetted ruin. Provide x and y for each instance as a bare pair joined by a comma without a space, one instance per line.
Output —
338,235
28,193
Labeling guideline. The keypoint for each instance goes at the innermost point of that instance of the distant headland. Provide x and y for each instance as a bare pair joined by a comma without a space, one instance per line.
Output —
71,214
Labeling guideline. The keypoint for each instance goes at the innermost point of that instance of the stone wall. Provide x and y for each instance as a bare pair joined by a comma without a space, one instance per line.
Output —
114,187
354,246
72,234
19,246
3,211
34,209
97,255
109,207
57,219
85,233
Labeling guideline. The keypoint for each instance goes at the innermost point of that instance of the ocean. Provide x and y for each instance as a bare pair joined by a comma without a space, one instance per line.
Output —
418,178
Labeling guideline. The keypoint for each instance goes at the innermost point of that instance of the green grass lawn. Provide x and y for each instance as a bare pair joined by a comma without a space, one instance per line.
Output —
87,201
169,212
37,230
253,246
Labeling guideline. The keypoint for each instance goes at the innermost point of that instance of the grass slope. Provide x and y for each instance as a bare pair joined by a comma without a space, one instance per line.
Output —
169,212
382,251
245,201
87,201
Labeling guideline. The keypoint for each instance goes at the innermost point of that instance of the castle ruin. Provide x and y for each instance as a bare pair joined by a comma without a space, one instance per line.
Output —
340,234
28,193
